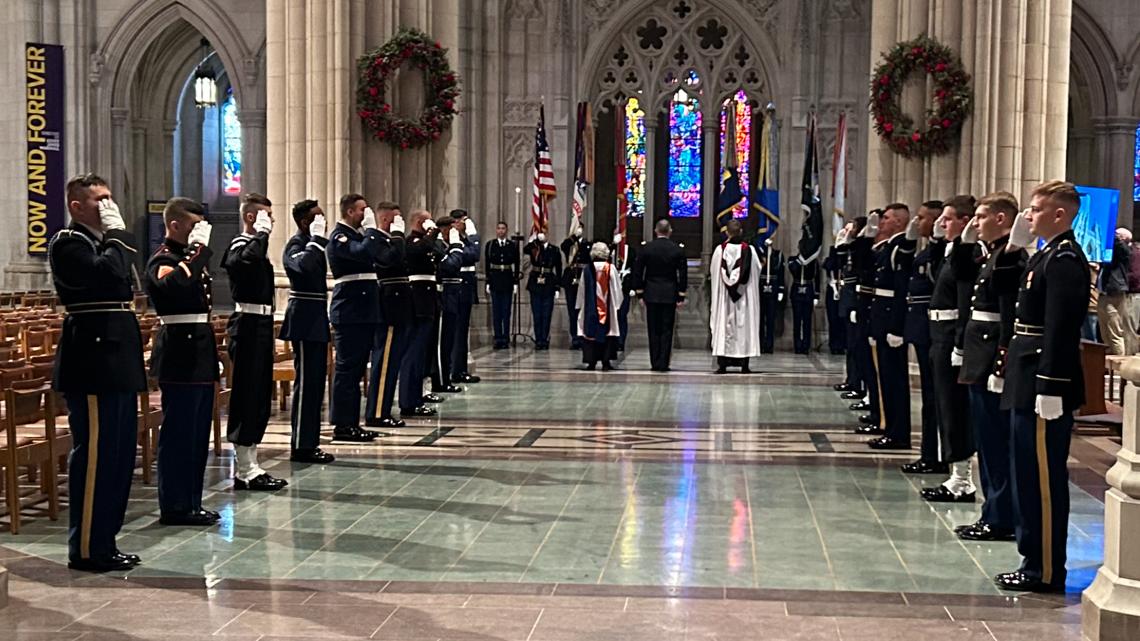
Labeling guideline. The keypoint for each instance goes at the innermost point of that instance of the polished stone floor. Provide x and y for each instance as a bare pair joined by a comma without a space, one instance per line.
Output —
551,503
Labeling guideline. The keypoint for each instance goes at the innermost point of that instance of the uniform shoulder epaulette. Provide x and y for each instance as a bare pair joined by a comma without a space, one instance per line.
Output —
1066,248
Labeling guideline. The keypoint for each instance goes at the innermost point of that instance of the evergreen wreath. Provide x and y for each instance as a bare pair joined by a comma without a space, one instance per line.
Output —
953,98
441,86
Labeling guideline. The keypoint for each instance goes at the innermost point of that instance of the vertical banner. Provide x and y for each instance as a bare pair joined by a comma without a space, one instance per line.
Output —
44,117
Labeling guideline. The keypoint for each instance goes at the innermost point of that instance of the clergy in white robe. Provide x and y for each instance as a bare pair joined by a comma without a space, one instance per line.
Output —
599,301
734,317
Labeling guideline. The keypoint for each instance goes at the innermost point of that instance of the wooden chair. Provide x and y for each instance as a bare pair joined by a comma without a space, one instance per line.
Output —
26,404
149,420
222,393
283,374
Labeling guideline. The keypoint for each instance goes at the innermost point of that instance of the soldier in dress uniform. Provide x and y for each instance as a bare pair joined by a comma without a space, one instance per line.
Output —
916,331
577,253
622,258
306,326
468,298
99,369
1044,385
250,331
772,287
894,259
836,328
184,361
661,279
355,249
852,387
542,284
805,298
949,312
501,266
422,256
453,290
864,257
987,334
396,321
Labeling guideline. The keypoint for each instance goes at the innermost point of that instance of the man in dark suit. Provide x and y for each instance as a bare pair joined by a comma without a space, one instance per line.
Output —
501,265
306,326
99,370
661,277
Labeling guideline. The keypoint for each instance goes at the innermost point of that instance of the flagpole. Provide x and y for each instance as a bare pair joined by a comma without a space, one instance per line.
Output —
518,211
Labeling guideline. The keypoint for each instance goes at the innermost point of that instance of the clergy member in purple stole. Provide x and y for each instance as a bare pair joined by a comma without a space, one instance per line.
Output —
599,299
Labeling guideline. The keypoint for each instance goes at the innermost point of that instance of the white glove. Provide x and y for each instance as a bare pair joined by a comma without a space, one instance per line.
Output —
956,358
516,290
557,294
871,341
970,233
469,227
939,230
541,237
853,317
200,234
872,228
1049,407
578,231
995,384
815,303
841,237
369,221
912,228
894,341
454,237
263,224
319,227
109,216
617,239
429,225
779,298
487,289
1019,234
397,225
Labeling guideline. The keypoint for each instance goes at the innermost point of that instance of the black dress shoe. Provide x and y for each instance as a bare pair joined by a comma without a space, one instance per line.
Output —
468,378
842,387
884,443
745,370
112,563
942,495
1022,582
422,410
353,435
852,395
448,389
867,418
720,370
870,429
986,532
315,455
975,524
133,559
924,467
606,367
431,398
861,406
262,483
194,518
385,422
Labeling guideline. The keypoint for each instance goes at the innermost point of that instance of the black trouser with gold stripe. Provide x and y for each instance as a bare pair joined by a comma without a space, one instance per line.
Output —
311,368
104,433
388,349
1041,493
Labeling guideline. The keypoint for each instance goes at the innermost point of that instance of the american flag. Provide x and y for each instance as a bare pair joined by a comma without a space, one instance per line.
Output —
544,188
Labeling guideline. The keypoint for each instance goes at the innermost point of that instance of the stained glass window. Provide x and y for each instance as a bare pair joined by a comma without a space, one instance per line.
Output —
738,105
1136,169
635,157
231,147
685,155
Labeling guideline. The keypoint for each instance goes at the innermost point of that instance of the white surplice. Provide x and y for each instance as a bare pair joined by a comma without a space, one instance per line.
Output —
735,325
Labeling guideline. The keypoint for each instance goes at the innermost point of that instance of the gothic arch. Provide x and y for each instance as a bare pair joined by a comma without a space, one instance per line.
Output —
651,46
1093,60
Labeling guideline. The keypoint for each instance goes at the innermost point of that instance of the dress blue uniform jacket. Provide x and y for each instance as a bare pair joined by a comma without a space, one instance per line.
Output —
545,268
307,315
805,279
178,282
352,251
893,261
464,294
771,270
920,288
501,265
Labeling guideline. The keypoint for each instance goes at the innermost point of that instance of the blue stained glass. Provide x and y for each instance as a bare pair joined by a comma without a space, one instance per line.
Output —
1136,169
684,157
635,158
739,105
231,147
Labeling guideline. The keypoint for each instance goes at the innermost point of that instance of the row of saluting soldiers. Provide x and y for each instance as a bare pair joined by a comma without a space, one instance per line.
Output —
996,333
401,298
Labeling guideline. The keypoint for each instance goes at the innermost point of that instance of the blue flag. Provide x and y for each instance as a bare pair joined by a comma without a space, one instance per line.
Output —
728,199
811,236
765,192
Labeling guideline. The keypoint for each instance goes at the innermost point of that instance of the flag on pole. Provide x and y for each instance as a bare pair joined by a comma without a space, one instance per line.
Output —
619,171
583,164
730,193
839,176
544,188
765,191
811,234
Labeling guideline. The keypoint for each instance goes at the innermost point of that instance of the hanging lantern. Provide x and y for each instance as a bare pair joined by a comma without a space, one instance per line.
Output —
205,84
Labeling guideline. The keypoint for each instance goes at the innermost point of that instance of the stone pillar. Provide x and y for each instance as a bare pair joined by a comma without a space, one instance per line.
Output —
710,134
253,150
1110,607
651,129
1118,134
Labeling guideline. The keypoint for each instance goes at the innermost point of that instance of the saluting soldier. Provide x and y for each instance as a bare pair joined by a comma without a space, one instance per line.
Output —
453,291
662,280
250,331
467,299
772,288
863,259
542,284
836,327
394,329
987,334
577,253
852,387
184,361
916,331
805,297
99,369
501,266
1044,385
306,326
888,321
422,258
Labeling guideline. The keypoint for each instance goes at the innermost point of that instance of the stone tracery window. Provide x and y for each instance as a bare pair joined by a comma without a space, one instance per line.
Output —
231,147
635,157
739,107
685,154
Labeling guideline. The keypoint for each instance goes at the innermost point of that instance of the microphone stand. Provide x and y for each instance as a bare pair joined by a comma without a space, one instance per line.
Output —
517,333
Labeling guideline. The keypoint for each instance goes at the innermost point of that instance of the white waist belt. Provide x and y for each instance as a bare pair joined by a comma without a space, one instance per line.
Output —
250,308
943,314
421,278
884,293
985,317
469,268
184,319
353,277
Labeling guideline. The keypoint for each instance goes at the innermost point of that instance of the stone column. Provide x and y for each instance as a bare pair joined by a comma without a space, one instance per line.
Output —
651,128
710,133
1118,136
1110,607
253,150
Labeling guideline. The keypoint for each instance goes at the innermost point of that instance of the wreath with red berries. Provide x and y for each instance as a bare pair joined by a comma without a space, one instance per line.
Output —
441,85
953,98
